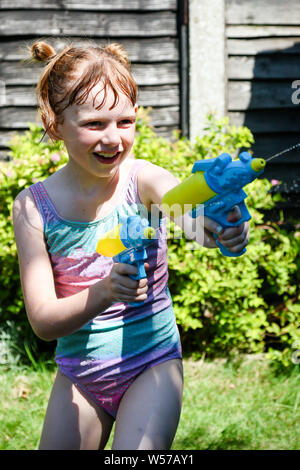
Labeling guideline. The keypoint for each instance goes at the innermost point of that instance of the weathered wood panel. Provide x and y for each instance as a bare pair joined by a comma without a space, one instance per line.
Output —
238,31
243,95
19,96
263,12
144,74
263,67
164,95
20,23
141,50
17,118
263,46
121,5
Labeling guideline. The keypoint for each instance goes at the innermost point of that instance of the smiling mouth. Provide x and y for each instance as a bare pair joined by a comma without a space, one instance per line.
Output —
106,158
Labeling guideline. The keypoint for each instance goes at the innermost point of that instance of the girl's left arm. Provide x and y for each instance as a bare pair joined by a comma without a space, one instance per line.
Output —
154,183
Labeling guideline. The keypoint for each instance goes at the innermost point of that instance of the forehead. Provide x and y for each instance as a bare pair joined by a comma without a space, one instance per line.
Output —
95,98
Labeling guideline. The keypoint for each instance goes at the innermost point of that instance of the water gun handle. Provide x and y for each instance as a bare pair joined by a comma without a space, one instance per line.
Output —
218,209
137,258
221,219
140,275
141,271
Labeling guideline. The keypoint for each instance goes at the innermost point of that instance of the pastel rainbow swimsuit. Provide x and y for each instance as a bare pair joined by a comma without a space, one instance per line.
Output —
105,356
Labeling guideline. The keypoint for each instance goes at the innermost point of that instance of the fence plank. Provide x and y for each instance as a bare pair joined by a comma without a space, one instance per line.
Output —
20,23
243,95
16,73
263,46
262,12
261,66
139,50
122,5
164,95
243,31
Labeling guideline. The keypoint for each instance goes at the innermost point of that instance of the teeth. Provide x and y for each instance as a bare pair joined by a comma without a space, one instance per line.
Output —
106,155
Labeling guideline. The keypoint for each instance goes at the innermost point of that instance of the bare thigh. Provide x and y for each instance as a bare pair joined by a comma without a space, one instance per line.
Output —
72,421
149,411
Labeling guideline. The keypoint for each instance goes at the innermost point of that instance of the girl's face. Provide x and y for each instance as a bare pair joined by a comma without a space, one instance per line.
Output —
98,141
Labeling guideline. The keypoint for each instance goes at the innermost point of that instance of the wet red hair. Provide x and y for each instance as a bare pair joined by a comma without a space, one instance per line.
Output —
61,83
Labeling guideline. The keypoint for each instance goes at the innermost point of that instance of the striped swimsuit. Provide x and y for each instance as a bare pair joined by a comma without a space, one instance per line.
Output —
106,354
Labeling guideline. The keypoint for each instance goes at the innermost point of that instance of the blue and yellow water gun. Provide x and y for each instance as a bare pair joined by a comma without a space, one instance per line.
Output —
127,243
214,188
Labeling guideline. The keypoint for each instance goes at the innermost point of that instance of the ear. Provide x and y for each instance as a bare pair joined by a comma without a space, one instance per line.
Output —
51,129
136,108
54,133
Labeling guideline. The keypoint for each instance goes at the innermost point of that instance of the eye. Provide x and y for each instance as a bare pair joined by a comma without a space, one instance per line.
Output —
127,122
94,124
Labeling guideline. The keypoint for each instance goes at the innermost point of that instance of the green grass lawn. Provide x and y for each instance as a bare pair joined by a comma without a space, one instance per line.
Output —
225,406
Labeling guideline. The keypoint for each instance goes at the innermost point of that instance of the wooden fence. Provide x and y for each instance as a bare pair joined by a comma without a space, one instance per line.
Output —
263,66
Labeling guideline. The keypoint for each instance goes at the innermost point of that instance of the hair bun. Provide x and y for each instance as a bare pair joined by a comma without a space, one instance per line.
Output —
118,51
42,51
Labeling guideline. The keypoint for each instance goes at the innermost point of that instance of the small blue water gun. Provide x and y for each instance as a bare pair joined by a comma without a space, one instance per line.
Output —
127,243
214,188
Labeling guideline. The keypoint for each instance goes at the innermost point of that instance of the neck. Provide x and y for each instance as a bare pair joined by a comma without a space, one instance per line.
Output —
87,183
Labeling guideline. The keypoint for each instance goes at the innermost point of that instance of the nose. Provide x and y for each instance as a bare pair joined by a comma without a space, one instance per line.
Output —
111,136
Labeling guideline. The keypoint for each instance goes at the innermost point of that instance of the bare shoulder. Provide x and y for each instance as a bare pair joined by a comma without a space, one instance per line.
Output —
25,213
153,183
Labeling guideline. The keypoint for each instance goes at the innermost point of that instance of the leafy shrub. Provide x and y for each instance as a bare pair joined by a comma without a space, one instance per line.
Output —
32,161
222,305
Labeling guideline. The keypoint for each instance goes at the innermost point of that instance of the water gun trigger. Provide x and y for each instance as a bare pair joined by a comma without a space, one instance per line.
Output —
141,274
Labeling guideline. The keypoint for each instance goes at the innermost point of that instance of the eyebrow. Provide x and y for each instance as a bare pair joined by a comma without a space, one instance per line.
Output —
101,118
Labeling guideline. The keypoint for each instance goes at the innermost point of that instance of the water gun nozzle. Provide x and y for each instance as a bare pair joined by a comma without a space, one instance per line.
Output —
258,164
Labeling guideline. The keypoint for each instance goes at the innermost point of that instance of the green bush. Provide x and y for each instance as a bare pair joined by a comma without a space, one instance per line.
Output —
223,305
32,161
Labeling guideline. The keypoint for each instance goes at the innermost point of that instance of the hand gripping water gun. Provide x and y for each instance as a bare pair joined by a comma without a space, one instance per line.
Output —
216,184
127,243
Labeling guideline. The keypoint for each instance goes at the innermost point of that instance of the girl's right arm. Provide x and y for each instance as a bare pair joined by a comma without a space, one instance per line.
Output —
49,316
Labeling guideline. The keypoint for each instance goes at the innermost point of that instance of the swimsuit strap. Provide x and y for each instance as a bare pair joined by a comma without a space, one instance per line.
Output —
42,201
132,194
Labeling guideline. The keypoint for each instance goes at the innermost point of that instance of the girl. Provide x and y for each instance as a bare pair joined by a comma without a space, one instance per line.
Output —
115,361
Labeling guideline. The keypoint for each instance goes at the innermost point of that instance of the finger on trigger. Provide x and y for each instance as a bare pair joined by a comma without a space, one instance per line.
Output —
234,215
124,268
